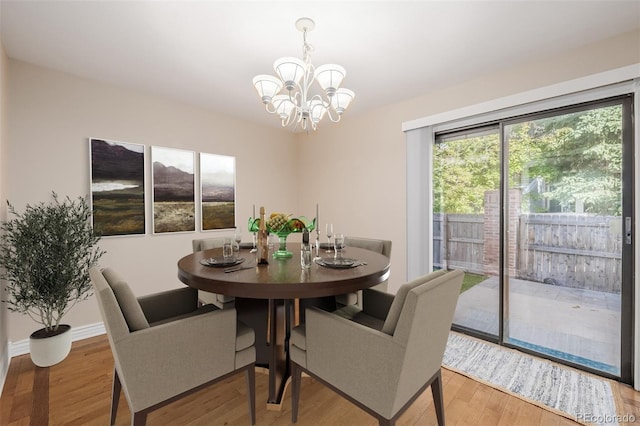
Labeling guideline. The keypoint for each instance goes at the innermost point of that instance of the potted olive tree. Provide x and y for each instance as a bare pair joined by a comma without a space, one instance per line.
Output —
45,255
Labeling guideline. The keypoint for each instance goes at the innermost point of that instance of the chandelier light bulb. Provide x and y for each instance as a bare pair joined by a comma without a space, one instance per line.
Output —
341,100
267,86
329,77
289,94
316,110
283,106
290,71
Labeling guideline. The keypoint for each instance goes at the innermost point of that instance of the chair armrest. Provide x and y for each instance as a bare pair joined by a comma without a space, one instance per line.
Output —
362,362
376,303
160,362
170,303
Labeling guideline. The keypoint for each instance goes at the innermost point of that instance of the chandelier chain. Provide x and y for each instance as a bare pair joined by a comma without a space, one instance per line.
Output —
306,47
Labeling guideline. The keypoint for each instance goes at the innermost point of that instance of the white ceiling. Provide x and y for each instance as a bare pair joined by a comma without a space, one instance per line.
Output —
206,52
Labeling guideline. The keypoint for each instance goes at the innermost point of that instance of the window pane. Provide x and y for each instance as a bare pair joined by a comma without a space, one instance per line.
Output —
565,182
466,215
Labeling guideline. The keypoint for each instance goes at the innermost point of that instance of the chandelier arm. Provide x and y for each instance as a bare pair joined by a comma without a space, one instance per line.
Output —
295,96
290,119
330,112
325,102
273,109
296,123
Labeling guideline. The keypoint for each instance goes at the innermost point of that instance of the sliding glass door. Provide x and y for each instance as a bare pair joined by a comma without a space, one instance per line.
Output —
466,221
565,275
538,211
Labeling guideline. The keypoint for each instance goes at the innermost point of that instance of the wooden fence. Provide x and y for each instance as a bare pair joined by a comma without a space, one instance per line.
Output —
572,250
461,238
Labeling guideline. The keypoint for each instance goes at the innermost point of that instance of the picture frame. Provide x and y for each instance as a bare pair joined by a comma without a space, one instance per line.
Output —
173,183
117,182
217,192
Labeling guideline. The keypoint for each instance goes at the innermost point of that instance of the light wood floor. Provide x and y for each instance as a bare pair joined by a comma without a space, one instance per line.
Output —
77,392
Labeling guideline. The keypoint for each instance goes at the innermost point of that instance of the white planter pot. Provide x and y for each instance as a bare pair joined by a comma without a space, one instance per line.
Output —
48,351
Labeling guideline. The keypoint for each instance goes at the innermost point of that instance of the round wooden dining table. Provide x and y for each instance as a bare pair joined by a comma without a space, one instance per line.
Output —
265,295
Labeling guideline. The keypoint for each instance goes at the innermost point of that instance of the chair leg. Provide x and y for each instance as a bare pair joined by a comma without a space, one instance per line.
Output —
139,418
251,392
296,378
115,396
438,400
386,422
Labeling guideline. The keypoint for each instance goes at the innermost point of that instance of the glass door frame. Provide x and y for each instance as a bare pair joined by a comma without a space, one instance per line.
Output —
628,211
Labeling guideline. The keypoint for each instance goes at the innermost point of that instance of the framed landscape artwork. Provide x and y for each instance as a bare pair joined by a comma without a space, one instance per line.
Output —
173,190
218,183
117,187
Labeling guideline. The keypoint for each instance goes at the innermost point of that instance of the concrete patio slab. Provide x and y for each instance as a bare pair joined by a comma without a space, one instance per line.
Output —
579,325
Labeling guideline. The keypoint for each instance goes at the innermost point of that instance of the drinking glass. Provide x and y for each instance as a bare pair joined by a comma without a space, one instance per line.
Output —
329,229
272,240
305,257
227,249
338,246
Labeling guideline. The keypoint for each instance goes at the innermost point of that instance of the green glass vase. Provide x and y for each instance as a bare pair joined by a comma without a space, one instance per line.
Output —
293,225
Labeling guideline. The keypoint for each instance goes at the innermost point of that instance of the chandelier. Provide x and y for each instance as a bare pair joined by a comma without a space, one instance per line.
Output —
295,105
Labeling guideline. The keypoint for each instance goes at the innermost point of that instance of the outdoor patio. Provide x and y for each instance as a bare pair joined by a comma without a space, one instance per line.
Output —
582,326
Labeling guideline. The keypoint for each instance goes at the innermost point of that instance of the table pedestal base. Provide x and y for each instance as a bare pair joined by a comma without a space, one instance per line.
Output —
271,321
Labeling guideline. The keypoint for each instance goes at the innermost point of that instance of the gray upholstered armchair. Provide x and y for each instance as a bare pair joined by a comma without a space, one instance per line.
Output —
165,347
384,356
220,300
379,246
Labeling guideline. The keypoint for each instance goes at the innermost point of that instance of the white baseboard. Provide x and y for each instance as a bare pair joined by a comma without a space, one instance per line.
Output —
4,367
77,333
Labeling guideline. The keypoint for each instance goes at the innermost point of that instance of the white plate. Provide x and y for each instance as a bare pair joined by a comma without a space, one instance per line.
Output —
221,262
341,263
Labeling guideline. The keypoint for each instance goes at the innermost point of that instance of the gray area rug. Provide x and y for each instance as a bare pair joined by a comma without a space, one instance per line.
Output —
579,396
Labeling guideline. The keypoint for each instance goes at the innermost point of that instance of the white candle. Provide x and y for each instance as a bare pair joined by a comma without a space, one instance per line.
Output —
254,211
317,220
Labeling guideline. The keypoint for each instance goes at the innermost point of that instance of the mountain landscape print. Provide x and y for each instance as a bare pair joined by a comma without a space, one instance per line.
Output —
117,187
173,190
217,181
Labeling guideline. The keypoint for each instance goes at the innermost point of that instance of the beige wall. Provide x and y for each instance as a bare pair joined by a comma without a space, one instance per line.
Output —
4,327
355,170
367,152
51,117
606,55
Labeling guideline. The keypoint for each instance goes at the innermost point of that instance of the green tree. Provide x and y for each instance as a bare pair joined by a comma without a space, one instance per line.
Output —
578,156
464,169
589,165
46,253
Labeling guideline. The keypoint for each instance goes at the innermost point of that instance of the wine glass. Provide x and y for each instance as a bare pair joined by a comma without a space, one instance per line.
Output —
329,229
237,236
255,246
